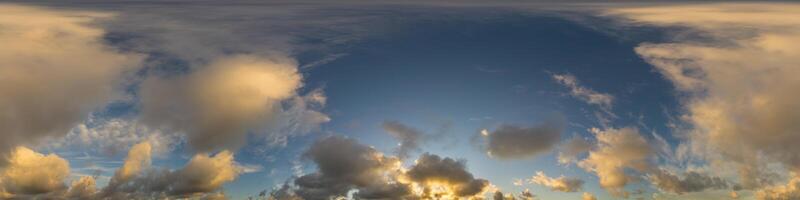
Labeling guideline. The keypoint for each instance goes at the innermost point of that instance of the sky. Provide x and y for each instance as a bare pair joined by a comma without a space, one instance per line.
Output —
307,100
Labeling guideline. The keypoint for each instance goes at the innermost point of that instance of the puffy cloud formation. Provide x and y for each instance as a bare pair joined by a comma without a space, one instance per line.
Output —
585,94
203,176
54,70
561,184
691,182
205,173
740,83
408,137
83,188
218,104
344,166
570,149
616,151
138,159
588,196
514,142
434,170
31,173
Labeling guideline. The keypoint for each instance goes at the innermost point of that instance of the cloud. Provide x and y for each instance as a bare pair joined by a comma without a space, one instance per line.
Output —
113,136
585,94
617,151
31,173
527,195
82,188
138,160
691,182
739,83
514,142
296,116
203,176
219,104
344,164
54,70
205,173
789,191
408,136
561,184
570,149
432,170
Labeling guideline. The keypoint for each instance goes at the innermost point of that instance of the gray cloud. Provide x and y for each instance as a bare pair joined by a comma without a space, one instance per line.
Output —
344,164
432,168
514,142
691,182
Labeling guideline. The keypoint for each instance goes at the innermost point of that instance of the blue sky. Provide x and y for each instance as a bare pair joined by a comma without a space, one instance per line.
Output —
670,100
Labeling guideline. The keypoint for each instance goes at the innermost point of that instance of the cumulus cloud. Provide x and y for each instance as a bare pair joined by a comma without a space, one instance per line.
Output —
617,150
30,173
561,184
82,188
54,70
434,170
344,164
740,83
408,136
203,176
138,159
585,94
219,104
514,142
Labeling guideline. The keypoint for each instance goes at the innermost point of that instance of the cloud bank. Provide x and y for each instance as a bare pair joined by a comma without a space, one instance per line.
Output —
739,83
